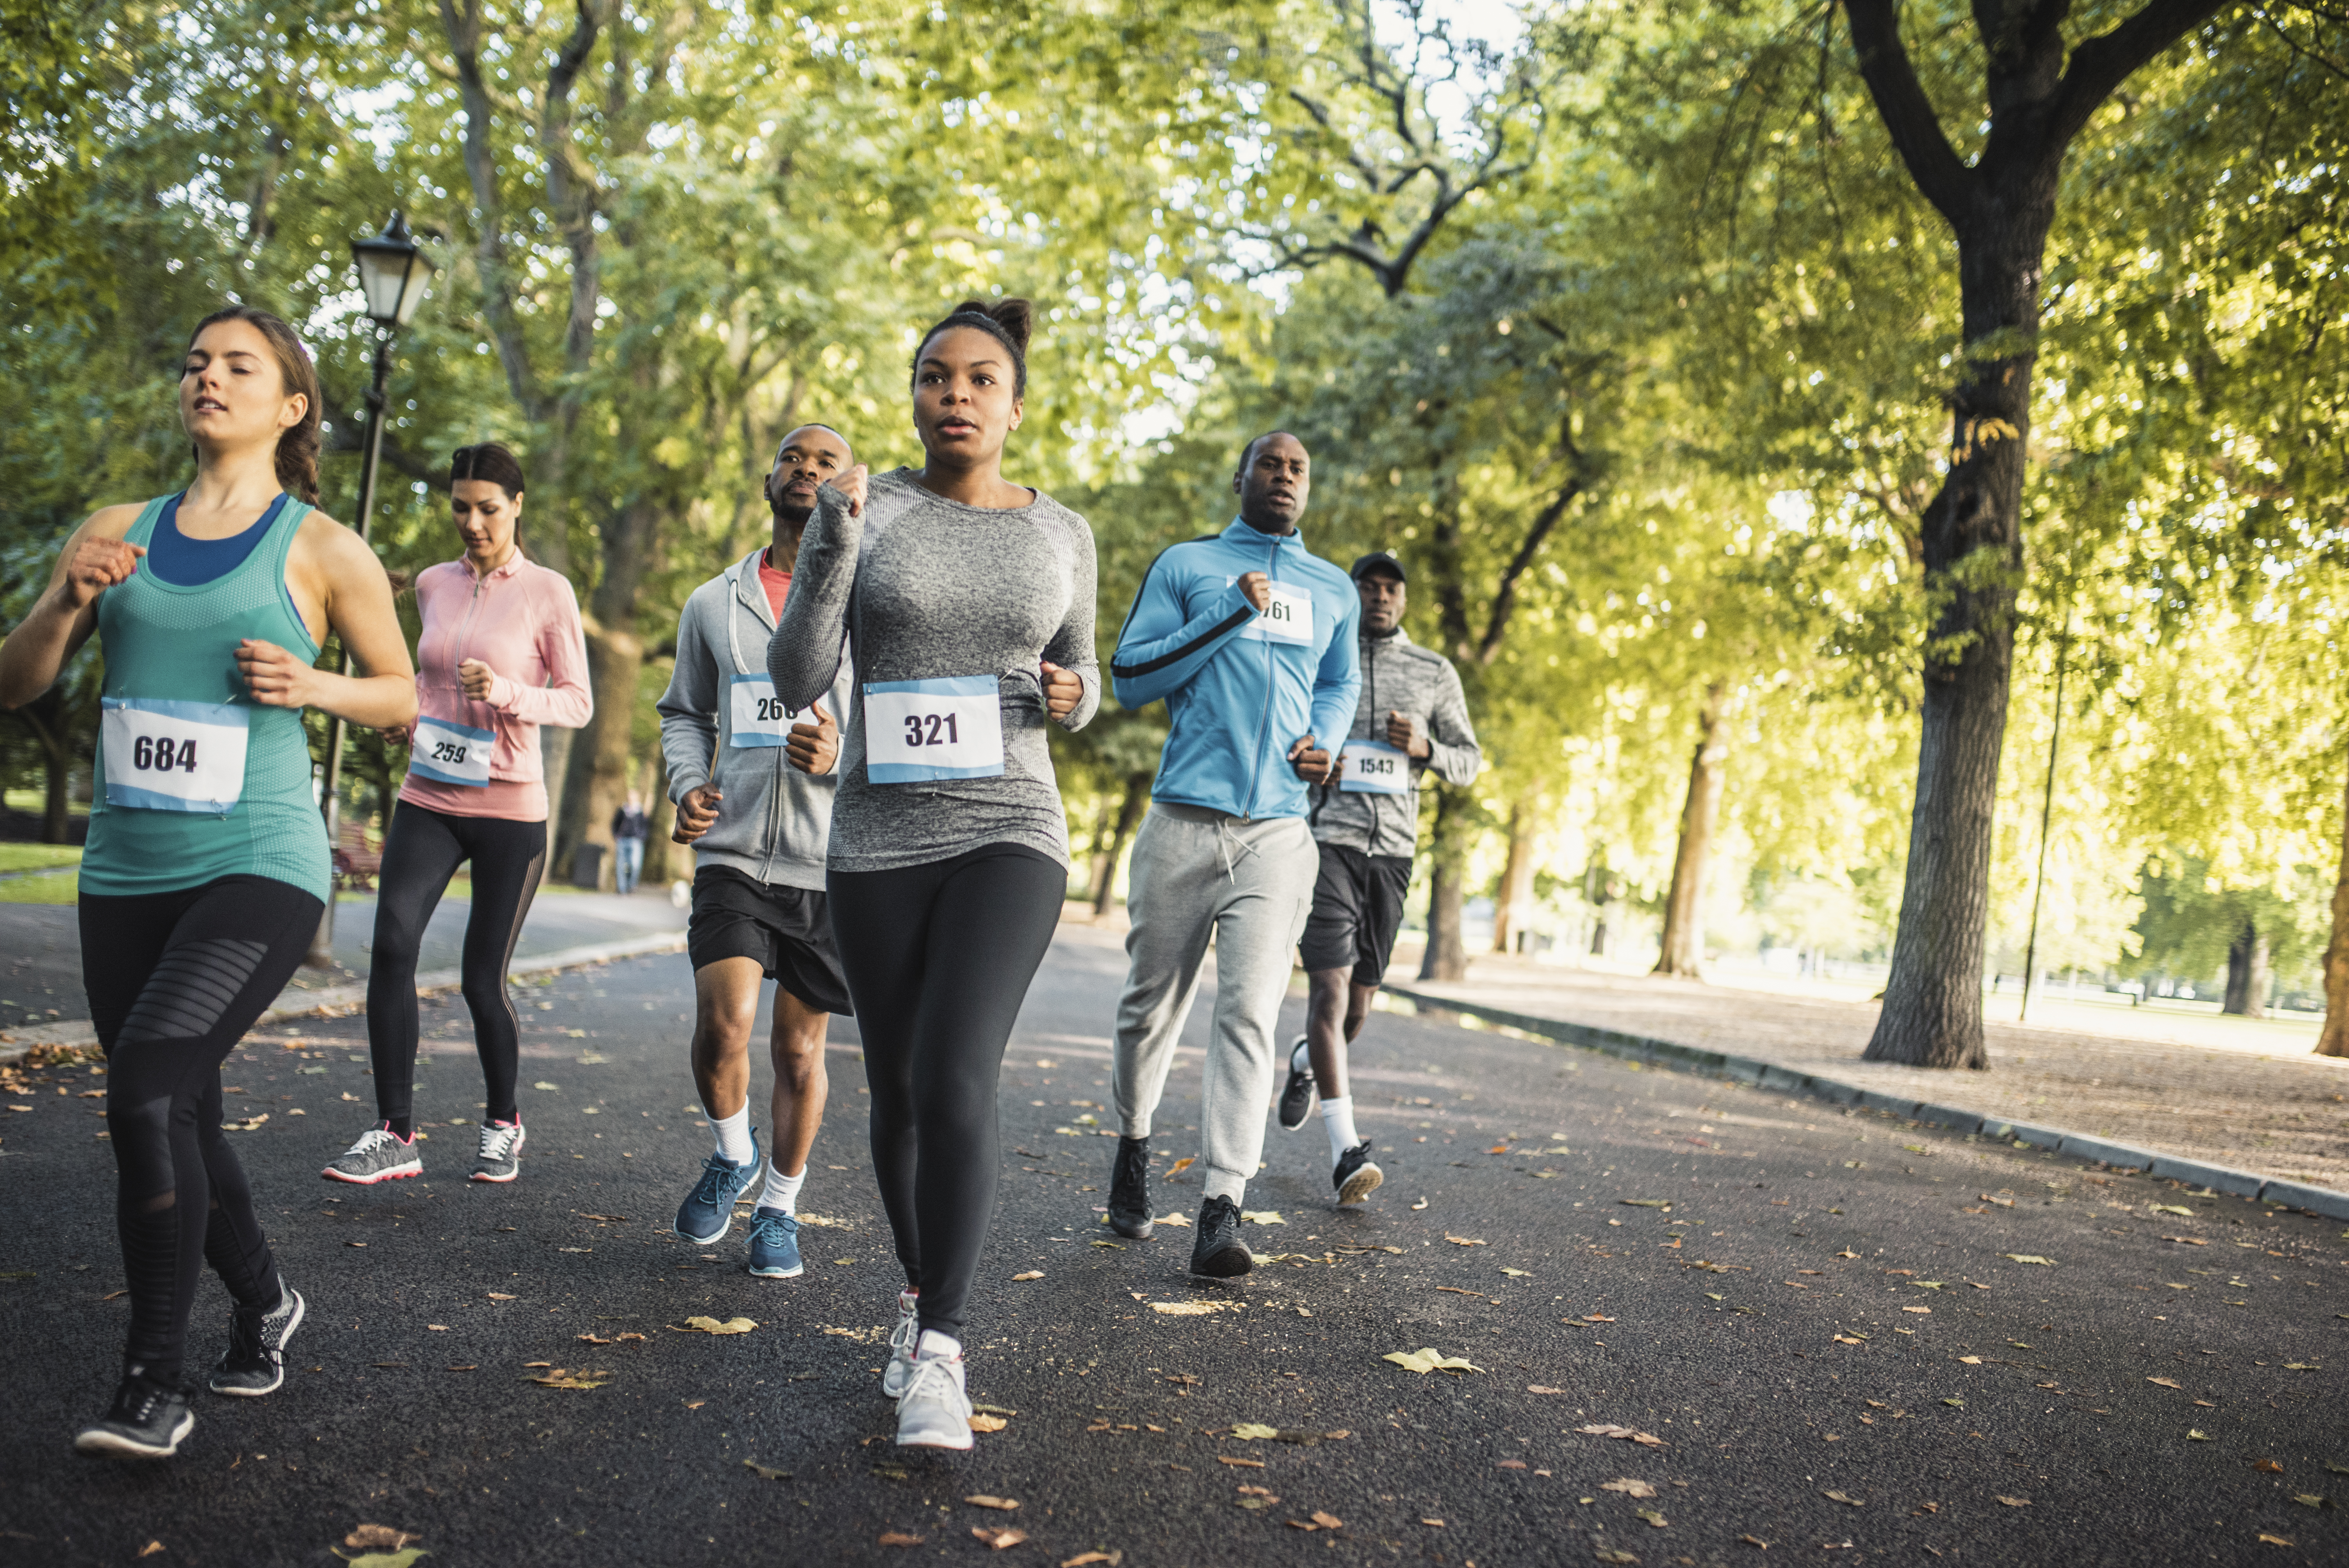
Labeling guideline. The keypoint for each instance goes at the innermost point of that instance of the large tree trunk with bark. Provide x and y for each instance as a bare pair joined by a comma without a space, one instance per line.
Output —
2247,972
597,784
1129,817
2000,208
1682,952
1446,957
1514,908
2333,1041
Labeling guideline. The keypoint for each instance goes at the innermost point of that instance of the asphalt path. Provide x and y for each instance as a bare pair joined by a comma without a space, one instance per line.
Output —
1828,1324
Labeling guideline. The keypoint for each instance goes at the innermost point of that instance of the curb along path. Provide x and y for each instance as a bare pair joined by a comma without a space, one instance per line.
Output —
1755,1073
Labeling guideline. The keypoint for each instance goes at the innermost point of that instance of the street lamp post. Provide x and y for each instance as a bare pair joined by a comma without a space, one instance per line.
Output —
393,271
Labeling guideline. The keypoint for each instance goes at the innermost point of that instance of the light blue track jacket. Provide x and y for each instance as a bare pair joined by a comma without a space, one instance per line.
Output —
1240,688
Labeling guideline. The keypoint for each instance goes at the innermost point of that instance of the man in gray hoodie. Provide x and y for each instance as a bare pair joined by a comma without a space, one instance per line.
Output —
1412,718
753,782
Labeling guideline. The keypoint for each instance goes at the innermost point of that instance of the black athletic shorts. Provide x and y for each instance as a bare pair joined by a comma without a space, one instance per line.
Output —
787,929
1357,910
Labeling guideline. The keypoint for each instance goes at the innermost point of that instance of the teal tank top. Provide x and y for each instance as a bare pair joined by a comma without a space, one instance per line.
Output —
169,810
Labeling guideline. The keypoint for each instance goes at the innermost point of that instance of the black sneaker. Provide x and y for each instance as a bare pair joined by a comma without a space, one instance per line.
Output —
146,1421
1297,1094
1218,1252
1129,1190
254,1362
1356,1178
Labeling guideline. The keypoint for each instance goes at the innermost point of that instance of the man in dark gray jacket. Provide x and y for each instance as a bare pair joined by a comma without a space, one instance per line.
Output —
753,782
1410,718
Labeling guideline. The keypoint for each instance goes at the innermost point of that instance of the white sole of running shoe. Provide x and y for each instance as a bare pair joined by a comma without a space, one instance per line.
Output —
779,1273
106,1444
940,1441
397,1173
513,1175
301,1310
1360,1185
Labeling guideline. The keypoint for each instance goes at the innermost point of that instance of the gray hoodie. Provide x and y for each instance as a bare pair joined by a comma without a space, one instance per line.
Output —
774,821
1400,677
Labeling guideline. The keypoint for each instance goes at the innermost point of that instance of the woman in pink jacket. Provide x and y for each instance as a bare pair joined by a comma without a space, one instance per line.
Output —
500,653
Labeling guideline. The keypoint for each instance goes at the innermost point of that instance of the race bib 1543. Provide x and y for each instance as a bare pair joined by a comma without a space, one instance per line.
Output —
758,717
1374,767
451,753
950,727
166,756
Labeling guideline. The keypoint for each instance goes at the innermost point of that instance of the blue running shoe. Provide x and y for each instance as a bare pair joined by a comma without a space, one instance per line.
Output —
774,1243
708,1209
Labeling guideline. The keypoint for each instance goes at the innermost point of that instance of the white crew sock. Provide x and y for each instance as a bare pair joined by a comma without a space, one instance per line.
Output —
1338,1121
934,1345
734,1135
782,1191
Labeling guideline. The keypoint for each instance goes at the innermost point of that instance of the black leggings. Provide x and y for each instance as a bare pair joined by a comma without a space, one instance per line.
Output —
175,980
939,958
420,853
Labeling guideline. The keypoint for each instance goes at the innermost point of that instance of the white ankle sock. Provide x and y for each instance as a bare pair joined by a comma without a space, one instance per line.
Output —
934,1345
1338,1121
782,1191
734,1135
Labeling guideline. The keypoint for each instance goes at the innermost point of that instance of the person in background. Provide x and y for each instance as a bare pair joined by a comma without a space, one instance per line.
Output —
630,827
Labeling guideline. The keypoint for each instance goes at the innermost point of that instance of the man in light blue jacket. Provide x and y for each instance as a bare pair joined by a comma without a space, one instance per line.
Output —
1249,640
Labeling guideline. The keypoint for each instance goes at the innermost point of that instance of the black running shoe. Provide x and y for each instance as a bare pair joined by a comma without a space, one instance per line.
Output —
254,1362
1129,1190
146,1421
1297,1094
1218,1252
1356,1178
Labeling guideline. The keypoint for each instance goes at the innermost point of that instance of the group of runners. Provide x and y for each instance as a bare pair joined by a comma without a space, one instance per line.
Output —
855,743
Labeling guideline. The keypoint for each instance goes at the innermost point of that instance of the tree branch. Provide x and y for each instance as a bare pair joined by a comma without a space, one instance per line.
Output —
1916,130
1505,597
2103,62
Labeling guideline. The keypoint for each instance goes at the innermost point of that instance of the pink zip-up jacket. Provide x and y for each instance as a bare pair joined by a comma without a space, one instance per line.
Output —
522,621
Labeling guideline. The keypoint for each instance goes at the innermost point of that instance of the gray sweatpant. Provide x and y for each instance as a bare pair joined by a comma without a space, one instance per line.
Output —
1195,874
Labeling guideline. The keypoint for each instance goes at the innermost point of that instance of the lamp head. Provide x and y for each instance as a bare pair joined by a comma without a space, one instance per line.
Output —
393,269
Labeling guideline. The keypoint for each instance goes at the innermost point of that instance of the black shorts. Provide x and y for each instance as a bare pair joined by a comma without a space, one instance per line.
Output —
1357,910
787,929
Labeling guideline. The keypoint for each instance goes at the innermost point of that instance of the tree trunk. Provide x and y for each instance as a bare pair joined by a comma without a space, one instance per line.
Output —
1683,942
597,783
1446,957
2247,972
1129,816
1513,910
2333,1041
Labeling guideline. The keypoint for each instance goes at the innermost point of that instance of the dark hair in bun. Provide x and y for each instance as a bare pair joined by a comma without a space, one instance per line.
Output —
1007,321
491,460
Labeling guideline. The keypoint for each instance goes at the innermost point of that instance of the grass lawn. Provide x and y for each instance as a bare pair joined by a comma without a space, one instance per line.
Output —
28,857
63,888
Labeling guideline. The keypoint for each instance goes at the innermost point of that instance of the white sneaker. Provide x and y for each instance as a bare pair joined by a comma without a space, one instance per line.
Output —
902,1339
934,1412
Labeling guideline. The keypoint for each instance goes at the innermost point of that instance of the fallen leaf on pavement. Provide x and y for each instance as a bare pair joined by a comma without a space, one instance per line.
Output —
2310,1499
1632,1434
1630,1486
1087,1559
2274,1540
1960,1404
1844,1498
1169,1218
1262,1216
371,1536
2166,1382
899,1538
1510,1464
2028,1258
765,1472
1645,1203
1239,1464
1031,1273
500,1295
2015,1501
1181,1165
1463,1241
1415,1208
1429,1361
559,1378
2171,1209
1192,1308
1006,1504
1609,1554
1927,1310
1252,1432
1537,1389
2269,1467
1754,1541
1328,1520
1432,1523
594,1339
1969,1360
711,1326
987,1423
2195,1437
1652,1517
152,1547
1518,1274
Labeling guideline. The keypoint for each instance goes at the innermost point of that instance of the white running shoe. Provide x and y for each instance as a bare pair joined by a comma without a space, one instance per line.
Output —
378,1156
499,1158
934,1412
902,1339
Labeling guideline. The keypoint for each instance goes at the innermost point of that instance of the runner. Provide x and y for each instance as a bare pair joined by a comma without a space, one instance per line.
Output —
1412,719
969,602
500,653
758,829
205,873
1250,639
630,828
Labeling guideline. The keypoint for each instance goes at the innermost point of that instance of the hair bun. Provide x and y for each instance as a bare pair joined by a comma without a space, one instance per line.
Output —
1016,318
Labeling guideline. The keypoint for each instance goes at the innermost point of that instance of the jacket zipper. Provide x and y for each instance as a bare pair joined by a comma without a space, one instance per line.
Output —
464,644
1256,772
1371,727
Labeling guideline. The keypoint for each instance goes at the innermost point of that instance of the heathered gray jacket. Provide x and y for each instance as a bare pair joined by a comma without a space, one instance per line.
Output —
774,820
1400,677
927,587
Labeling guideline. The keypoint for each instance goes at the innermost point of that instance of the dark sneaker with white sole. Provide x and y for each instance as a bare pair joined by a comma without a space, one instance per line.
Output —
254,1362
1218,1252
708,1209
774,1244
499,1158
379,1155
1356,1178
1129,1190
146,1421
1297,1094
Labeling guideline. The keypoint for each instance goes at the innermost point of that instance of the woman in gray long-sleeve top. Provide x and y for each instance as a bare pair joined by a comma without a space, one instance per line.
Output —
967,603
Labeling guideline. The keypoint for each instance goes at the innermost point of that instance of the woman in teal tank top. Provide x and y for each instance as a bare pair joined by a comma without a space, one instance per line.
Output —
206,868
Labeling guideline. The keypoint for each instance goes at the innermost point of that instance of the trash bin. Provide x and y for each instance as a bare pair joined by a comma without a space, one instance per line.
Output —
587,866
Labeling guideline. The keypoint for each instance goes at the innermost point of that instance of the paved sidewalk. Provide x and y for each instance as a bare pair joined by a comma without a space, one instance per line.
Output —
2274,1110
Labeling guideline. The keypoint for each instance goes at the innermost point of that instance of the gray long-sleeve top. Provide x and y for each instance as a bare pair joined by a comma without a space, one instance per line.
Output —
928,588
1401,677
